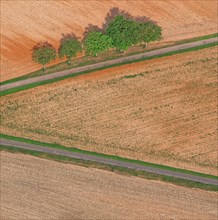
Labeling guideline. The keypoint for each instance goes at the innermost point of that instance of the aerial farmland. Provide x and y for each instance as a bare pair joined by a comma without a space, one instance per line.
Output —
85,193
30,25
152,111
109,110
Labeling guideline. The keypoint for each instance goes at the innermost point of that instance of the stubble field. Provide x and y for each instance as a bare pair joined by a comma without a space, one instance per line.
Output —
158,111
34,188
24,23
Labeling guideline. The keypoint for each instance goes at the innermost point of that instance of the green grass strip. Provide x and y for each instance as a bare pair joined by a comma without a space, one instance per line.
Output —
205,37
107,156
21,88
116,169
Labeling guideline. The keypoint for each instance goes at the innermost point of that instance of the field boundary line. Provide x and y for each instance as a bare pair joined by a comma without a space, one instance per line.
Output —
109,160
111,168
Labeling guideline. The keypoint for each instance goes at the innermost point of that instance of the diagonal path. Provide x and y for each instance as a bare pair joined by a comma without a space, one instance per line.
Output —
107,63
107,161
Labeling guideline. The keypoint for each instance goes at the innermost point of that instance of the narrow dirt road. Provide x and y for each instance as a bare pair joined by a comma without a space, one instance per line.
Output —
88,157
106,63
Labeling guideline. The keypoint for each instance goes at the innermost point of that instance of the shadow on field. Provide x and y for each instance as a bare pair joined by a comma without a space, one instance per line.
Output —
113,12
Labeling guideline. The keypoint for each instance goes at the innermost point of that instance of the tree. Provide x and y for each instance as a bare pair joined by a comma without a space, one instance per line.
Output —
96,42
69,48
150,32
124,32
43,53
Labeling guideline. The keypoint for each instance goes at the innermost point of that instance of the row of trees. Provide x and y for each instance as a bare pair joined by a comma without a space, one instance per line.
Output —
121,33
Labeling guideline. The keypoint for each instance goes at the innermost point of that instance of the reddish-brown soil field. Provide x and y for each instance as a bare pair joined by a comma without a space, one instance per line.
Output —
34,188
24,23
158,111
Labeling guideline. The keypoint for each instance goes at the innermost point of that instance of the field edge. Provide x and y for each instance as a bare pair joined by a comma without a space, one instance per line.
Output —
115,169
76,150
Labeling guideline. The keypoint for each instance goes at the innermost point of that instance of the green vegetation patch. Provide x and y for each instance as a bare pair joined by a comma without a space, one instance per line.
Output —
133,76
205,37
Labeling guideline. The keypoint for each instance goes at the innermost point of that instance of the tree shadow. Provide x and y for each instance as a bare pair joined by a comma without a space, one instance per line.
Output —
68,36
42,44
115,11
91,28
144,19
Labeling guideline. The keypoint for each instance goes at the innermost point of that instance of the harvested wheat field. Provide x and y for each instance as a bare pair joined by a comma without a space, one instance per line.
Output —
24,23
34,188
158,111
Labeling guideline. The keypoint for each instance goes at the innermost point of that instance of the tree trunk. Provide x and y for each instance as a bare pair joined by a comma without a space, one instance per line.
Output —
144,45
43,68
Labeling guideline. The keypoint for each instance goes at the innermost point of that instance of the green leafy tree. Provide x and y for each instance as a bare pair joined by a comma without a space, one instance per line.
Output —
43,53
96,42
150,32
133,28
69,48
124,32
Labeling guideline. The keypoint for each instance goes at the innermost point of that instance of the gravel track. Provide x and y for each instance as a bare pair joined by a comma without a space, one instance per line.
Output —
88,157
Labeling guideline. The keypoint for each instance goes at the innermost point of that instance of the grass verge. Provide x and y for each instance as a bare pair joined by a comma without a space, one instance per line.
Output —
21,88
116,169
52,69
205,37
107,156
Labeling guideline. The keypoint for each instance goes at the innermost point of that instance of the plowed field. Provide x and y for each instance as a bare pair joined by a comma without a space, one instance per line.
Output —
158,111
24,23
33,188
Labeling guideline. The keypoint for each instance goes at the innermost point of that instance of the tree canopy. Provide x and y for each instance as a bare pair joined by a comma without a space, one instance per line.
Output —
43,53
150,32
96,42
121,31
69,48
126,32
